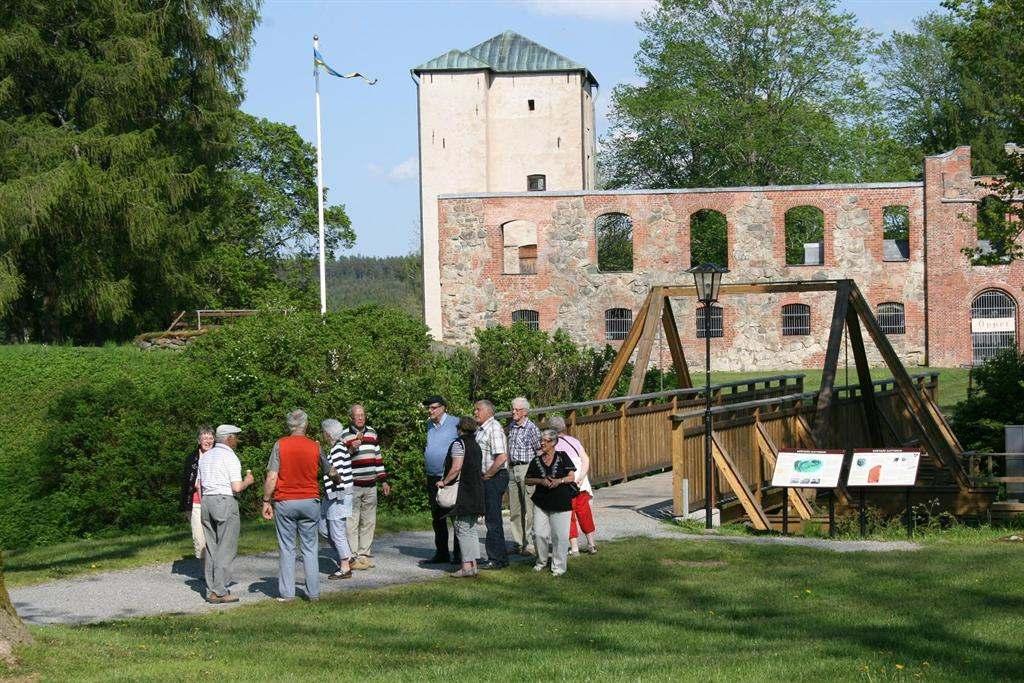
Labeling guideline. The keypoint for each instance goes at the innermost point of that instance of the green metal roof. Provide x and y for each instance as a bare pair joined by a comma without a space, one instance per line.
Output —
453,60
506,52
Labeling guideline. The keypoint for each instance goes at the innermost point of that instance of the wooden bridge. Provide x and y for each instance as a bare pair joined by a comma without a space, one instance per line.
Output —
627,436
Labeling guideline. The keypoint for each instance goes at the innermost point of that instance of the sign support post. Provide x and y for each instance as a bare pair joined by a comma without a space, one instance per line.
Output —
785,510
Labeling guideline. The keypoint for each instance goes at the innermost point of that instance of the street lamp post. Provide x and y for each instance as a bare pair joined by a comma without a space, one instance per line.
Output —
707,277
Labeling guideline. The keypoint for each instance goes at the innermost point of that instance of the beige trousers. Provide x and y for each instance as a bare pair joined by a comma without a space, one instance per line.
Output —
520,506
363,521
196,522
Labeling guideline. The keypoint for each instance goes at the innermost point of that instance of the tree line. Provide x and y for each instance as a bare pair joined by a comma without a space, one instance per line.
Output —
768,92
131,184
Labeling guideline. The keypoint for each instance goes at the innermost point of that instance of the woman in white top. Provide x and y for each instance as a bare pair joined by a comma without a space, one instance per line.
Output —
582,516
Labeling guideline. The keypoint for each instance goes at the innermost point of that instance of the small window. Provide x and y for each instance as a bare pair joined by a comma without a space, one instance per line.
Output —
796,320
614,243
715,328
617,322
536,183
529,103
805,236
528,259
896,233
529,318
890,318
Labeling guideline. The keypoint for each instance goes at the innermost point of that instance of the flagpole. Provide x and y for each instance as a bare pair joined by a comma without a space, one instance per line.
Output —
320,185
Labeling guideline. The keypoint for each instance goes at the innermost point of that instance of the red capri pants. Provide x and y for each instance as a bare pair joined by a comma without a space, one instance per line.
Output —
581,510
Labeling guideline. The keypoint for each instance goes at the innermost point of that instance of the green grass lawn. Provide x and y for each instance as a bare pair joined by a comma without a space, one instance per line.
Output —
640,609
952,381
37,565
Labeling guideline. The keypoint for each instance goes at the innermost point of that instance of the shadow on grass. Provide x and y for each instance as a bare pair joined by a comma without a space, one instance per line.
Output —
640,609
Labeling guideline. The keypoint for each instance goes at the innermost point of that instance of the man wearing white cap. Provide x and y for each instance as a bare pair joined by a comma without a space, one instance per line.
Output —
220,476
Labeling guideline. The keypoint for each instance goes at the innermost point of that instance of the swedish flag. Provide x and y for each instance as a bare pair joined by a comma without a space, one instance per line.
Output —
318,61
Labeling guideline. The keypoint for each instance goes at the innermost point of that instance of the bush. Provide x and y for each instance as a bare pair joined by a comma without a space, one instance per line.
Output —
98,437
996,401
263,366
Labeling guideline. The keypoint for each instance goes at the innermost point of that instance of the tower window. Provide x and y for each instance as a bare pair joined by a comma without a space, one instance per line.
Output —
530,104
536,183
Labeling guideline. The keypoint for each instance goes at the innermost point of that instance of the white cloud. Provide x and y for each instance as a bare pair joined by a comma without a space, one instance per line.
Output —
603,10
407,170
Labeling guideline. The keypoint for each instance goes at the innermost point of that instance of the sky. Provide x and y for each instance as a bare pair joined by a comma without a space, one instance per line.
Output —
369,132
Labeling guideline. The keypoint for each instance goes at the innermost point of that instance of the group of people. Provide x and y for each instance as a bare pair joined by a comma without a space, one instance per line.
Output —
543,471
333,491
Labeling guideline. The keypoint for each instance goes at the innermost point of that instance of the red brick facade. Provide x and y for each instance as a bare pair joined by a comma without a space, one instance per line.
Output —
935,285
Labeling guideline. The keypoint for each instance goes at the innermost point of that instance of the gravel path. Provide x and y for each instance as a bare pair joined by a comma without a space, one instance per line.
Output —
636,508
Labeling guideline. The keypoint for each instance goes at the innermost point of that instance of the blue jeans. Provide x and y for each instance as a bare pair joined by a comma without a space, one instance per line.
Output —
302,517
494,489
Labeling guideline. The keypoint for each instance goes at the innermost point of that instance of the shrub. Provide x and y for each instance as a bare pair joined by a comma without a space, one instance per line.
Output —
996,401
263,366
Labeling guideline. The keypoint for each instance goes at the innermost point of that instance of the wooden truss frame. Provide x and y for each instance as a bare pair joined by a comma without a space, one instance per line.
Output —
850,312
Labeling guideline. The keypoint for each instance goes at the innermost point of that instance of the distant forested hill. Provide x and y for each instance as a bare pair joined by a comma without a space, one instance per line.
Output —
390,281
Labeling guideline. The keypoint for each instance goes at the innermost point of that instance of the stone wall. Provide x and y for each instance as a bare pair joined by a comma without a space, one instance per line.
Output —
570,292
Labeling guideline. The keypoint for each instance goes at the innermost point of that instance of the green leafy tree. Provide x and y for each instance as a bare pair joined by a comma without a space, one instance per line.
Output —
921,86
114,117
997,400
614,242
262,242
749,92
804,225
709,238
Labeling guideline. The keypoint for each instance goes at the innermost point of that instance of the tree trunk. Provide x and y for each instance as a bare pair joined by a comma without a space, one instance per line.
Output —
12,631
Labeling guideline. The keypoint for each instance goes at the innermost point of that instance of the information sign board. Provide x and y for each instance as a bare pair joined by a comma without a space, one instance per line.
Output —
808,469
880,467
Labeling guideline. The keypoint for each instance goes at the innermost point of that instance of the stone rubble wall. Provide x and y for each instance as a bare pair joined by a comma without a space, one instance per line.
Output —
571,293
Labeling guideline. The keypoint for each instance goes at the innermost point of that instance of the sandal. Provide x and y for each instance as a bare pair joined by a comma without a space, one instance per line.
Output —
463,574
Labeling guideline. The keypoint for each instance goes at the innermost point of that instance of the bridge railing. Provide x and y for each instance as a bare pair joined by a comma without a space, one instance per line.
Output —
626,436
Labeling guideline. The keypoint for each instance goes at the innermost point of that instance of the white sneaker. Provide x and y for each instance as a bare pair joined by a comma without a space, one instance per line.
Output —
574,551
554,573
539,567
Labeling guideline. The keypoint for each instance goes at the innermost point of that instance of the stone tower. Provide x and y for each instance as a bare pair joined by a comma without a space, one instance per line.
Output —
507,115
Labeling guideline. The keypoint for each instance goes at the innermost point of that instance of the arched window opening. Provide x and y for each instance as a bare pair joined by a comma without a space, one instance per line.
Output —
709,238
614,242
993,325
992,222
529,318
519,248
805,236
715,324
617,322
896,233
796,320
890,318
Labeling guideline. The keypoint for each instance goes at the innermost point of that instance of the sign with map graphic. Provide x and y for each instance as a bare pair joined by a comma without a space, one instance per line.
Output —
880,467
808,469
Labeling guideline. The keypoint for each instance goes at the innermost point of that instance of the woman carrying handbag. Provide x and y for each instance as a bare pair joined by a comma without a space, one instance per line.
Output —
462,489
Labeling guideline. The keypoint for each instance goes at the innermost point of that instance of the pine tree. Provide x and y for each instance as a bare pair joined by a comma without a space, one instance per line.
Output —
114,118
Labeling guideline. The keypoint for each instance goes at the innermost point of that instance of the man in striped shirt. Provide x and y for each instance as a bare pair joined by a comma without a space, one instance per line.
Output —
367,471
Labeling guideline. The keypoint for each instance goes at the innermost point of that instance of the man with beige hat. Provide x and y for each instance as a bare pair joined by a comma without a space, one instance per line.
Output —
220,477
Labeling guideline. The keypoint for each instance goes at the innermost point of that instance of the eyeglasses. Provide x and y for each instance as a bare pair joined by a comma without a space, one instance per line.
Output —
435,406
